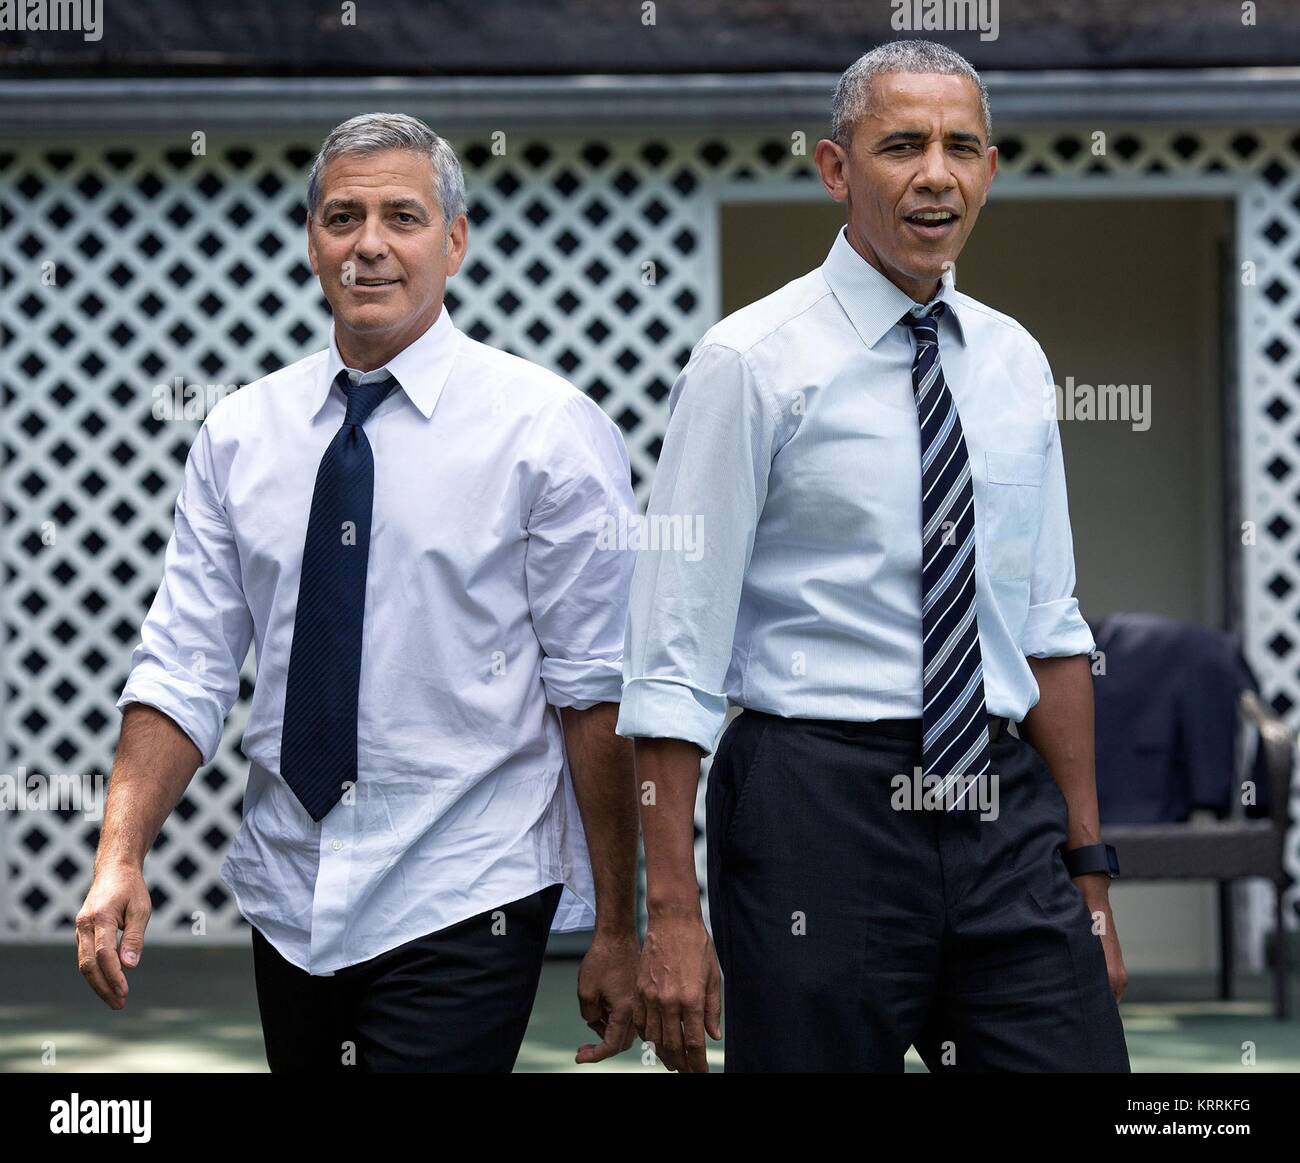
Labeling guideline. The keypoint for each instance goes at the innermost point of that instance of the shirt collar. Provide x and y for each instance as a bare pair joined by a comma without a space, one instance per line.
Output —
421,368
872,303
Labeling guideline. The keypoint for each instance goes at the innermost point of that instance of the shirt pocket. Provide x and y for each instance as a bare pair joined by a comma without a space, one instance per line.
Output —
1012,500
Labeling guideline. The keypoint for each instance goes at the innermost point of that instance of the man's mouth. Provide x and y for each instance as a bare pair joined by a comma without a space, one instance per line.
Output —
376,282
932,223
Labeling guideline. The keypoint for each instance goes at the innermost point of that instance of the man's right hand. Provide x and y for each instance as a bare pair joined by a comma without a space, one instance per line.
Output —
679,985
118,899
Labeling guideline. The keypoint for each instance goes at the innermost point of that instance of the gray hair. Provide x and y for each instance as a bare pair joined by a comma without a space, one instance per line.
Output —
853,93
375,132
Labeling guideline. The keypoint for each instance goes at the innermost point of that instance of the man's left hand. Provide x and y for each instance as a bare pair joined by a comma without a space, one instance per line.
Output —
607,994
1095,887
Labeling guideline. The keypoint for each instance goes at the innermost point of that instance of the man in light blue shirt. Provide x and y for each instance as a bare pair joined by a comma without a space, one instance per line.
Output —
406,526
884,579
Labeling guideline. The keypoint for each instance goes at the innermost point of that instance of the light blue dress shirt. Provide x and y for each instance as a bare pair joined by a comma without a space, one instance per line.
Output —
492,598
793,457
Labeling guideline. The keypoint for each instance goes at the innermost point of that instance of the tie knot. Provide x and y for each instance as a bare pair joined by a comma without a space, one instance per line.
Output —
363,398
924,320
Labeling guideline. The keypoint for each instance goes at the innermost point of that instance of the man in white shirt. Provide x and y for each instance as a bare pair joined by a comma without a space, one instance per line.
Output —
408,525
885,579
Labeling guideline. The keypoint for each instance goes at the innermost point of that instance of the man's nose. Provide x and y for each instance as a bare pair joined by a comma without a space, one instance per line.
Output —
934,173
371,243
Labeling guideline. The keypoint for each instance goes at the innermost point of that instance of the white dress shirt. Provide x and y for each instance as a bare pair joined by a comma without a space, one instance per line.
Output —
794,448
490,600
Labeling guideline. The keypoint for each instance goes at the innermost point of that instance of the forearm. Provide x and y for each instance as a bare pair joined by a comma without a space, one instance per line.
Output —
154,764
668,776
603,782
1060,728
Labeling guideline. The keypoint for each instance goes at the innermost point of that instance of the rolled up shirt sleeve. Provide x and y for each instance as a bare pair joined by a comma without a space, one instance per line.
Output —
197,632
709,489
577,567
1054,626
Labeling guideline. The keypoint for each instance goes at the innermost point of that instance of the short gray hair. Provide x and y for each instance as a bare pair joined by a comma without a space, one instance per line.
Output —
376,132
853,93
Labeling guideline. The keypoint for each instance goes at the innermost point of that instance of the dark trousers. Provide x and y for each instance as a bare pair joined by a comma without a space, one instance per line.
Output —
848,929
454,1000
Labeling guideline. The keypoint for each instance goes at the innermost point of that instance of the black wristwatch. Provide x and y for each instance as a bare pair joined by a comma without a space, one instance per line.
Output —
1091,858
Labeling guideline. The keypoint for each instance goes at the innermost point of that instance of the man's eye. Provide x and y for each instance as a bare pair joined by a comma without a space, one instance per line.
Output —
336,219
407,217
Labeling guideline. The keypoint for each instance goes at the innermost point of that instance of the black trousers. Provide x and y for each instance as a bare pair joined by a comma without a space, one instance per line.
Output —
454,1000
848,929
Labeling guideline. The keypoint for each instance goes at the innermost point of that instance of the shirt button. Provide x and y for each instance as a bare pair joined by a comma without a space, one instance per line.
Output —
337,845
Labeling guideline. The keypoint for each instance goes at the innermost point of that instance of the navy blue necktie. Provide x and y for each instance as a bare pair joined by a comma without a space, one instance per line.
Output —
318,747
954,718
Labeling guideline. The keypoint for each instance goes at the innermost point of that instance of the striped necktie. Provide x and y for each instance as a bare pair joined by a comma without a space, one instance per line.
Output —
954,719
318,745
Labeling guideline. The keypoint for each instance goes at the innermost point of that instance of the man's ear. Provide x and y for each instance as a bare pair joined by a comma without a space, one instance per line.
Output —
832,165
311,246
993,172
458,244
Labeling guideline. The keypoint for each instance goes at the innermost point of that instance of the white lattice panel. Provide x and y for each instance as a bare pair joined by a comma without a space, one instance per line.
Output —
169,265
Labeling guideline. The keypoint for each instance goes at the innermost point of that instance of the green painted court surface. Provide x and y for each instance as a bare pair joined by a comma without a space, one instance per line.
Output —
194,1010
